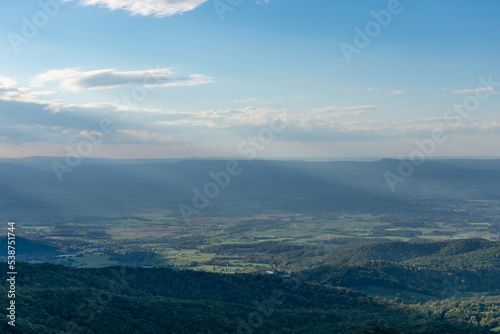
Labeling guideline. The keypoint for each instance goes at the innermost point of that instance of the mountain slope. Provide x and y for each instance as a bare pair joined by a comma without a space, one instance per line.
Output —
126,300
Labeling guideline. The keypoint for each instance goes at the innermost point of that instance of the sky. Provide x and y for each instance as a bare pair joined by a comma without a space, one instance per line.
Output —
249,79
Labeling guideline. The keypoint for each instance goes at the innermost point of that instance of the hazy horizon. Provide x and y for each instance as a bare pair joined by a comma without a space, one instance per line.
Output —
318,159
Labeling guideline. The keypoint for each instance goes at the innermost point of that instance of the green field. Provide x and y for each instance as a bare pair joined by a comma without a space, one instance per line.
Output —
159,237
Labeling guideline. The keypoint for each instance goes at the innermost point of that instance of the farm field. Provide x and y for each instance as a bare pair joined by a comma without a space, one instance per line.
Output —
232,243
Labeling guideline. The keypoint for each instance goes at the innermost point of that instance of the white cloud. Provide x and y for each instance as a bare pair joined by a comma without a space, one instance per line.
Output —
6,82
396,92
75,80
24,94
158,8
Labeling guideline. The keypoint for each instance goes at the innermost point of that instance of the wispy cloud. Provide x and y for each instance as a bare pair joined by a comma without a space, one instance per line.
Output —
253,99
342,112
227,118
474,91
314,126
357,90
75,80
24,94
136,137
35,123
158,8
396,92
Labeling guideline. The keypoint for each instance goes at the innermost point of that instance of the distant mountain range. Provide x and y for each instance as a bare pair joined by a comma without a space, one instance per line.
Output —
31,182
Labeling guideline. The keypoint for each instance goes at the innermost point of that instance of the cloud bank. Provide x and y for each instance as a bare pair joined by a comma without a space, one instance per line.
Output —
31,121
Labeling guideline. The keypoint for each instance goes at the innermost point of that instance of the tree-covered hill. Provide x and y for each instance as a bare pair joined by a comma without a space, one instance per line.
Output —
437,281
33,250
470,253
57,299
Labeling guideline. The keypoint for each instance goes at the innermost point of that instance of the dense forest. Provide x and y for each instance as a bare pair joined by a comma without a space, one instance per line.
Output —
56,299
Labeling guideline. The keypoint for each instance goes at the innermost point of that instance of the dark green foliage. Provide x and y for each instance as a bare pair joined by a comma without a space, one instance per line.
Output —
420,329
438,281
55,299
471,253
477,311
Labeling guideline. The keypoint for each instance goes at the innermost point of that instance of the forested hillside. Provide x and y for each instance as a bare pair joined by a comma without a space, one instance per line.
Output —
471,253
55,299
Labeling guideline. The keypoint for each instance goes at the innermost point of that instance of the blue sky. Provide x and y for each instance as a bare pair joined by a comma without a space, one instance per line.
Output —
180,79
